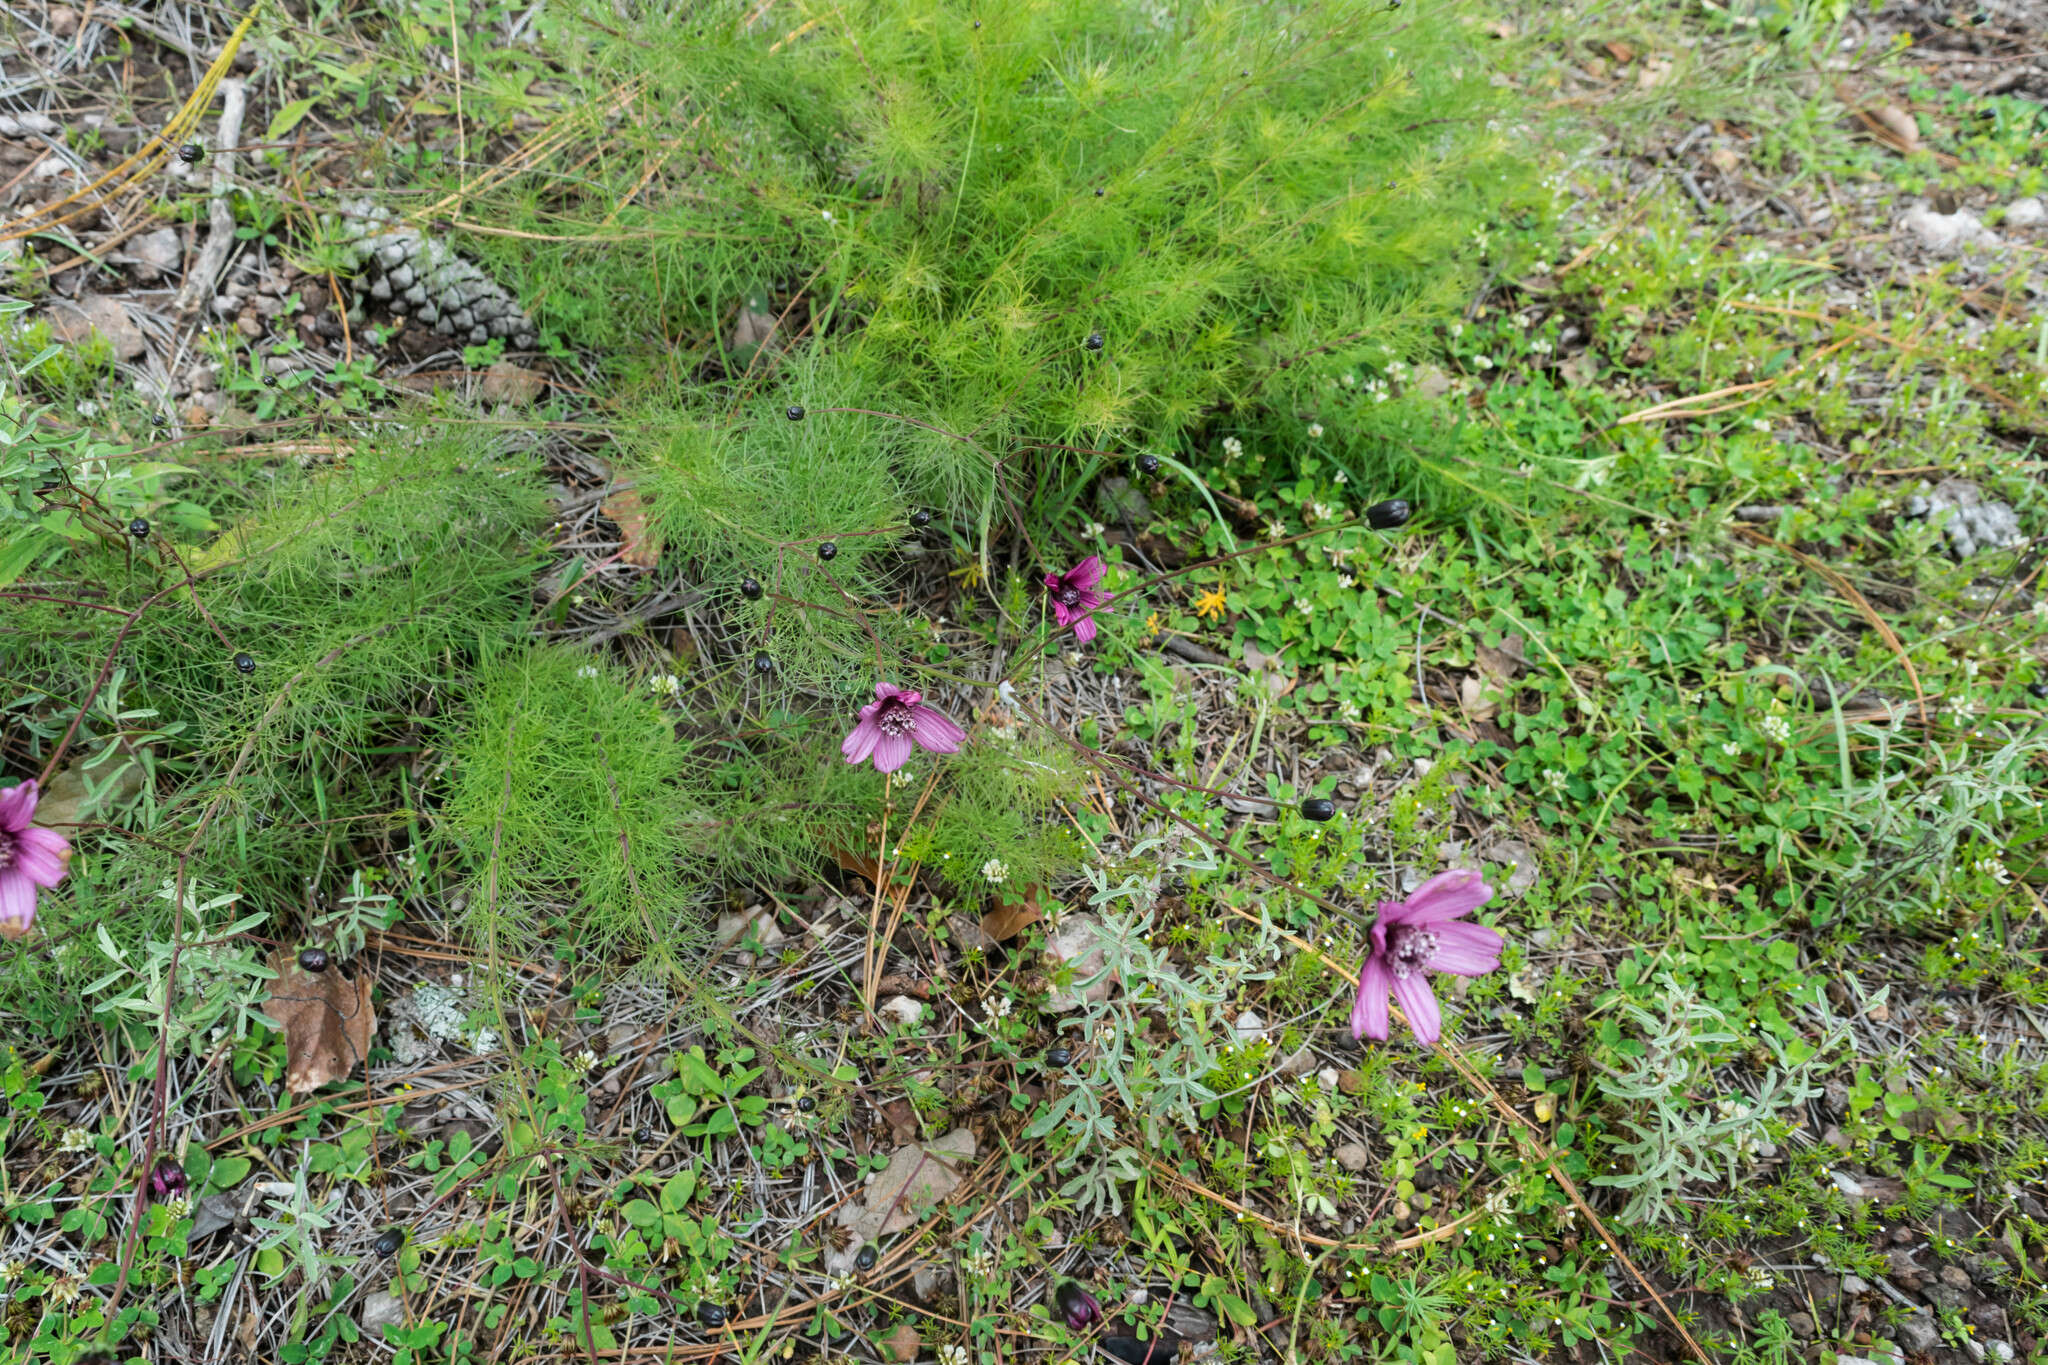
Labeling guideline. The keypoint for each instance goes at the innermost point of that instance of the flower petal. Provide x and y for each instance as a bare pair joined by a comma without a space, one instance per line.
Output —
1465,949
17,805
860,741
892,752
40,854
1446,896
884,691
1087,573
1369,1018
1418,1002
934,731
1084,629
1093,601
17,903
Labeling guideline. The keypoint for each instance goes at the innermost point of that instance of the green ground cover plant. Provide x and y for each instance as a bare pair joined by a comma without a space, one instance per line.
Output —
1468,496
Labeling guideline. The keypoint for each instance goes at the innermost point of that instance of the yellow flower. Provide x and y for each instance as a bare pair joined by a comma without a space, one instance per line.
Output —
1211,603
1153,625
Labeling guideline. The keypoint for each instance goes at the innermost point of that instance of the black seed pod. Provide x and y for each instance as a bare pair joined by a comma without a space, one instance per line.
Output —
750,590
920,518
865,1258
1318,809
191,154
828,551
1059,1056
313,959
796,412
139,528
1148,463
389,1241
1094,341
1385,516
2039,690
711,1315
244,664
764,664
805,1104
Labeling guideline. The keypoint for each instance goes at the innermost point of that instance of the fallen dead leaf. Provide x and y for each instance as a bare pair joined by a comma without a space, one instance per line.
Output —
1621,52
902,1120
327,1021
64,801
1725,159
1653,72
1012,917
1478,698
629,514
903,1344
916,1178
1895,126
859,864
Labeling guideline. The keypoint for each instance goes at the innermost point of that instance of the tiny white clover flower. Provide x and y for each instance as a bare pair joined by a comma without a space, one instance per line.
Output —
1276,529
1315,431
953,1355
1345,580
587,671
1322,511
74,1140
1304,606
1993,867
1232,447
1554,778
1731,748
1776,729
583,1062
1342,477
995,870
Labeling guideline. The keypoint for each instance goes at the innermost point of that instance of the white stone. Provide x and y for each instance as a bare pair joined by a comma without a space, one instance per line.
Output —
902,1009
2026,213
1945,234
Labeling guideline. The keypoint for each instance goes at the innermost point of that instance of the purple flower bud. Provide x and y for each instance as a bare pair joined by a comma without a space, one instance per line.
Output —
167,1181
1077,1305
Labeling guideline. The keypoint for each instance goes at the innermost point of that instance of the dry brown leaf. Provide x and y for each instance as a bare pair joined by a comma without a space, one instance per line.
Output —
327,1021
63,802
629,514
1478,698
902,1344
1013,917
859,864
1501,29
1903,132
1725,159
1621,52
1653,72
1503,664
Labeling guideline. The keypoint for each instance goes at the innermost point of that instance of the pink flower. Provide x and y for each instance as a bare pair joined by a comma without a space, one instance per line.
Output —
1420,935
1075,597
29,857
895,721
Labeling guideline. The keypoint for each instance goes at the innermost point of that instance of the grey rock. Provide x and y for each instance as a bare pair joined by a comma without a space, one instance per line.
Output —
462,317
381,291
2000,1350
157,253
2029,212
1077,944
505,382
1801,1325
380,1310
74,322
1855,1284
1918,1332
213,1213
1250,1028
1946,234
1353,1157
1969,521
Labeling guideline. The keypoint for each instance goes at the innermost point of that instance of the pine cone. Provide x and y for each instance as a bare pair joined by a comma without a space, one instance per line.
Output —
415,276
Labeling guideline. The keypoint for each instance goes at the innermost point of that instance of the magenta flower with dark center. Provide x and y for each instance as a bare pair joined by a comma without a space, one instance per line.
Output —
167,1181
1075,596
895,723
1079,1307
30,857
1415,937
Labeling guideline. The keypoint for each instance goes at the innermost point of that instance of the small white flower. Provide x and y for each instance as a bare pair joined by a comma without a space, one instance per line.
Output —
1762,424
996,1007
1776,729
1731,748
1342,477
1484,362
995,870
583,1062
587,671
952,1355
1315,431
980,1264
1540,346
1302,605
667,684
826,214
1345,580
74,1140
1232,447
1554,778
1993,867
1322,511
1350,381
1276,529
